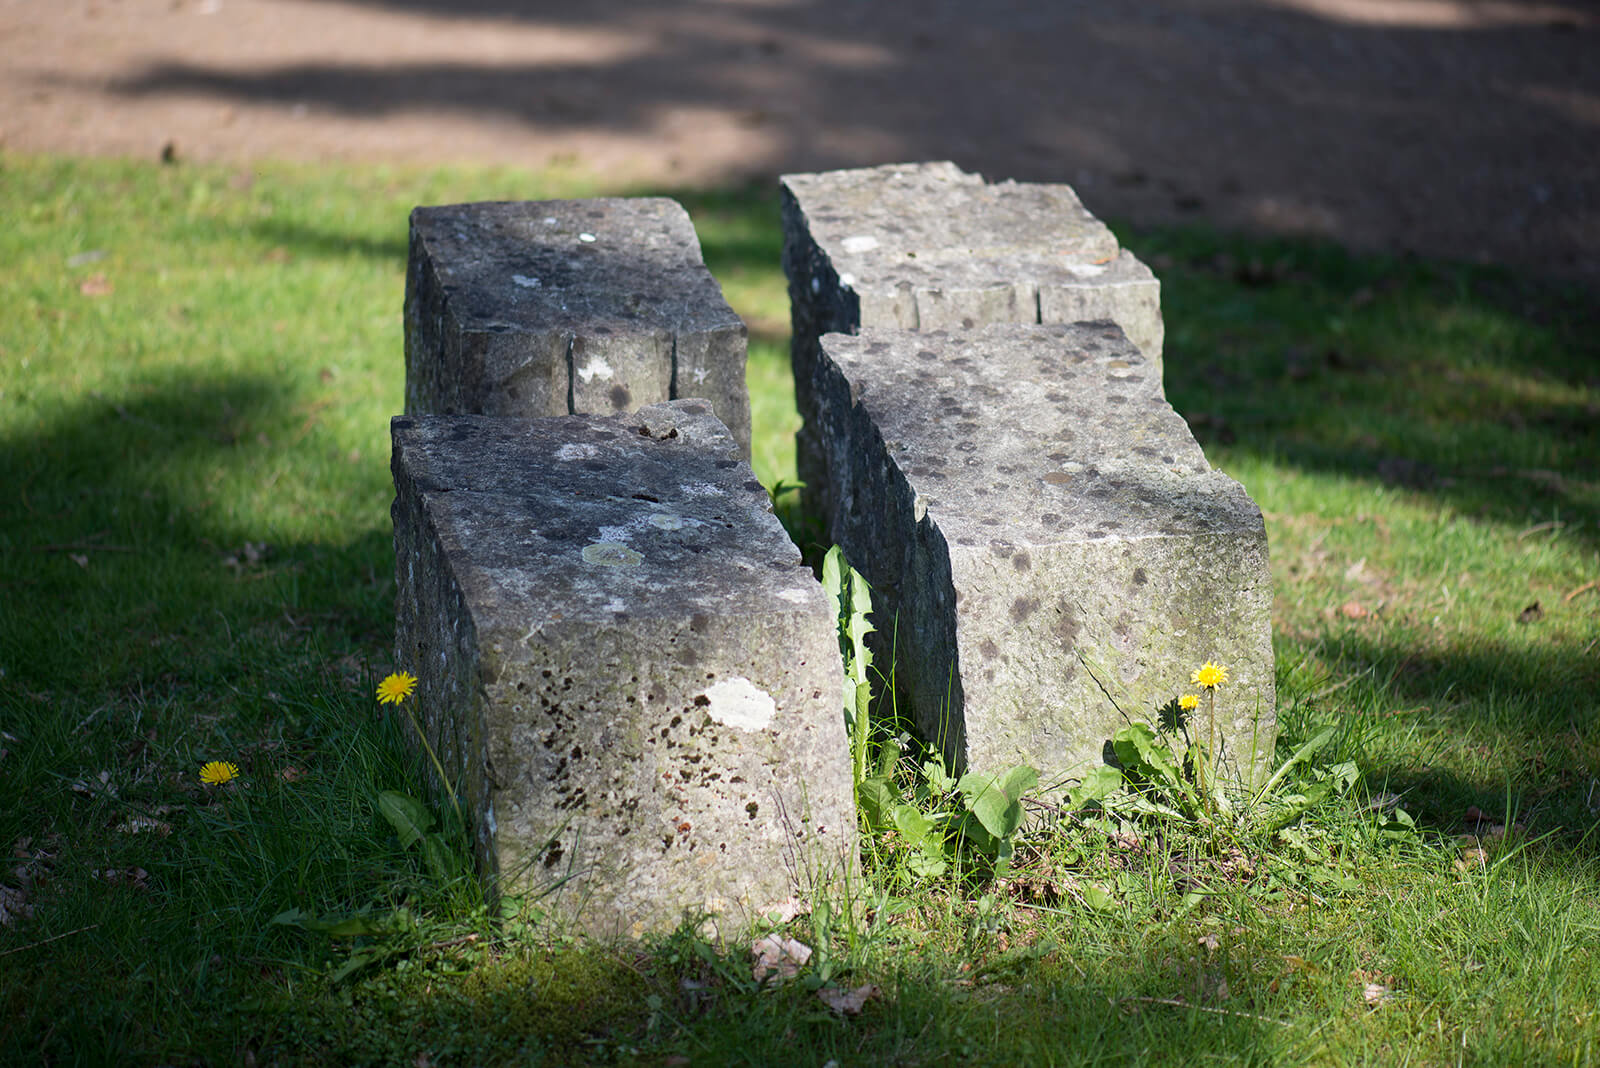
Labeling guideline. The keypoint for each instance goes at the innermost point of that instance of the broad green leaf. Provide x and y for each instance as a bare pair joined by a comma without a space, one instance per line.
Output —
351,926
878,799
1097,897
443,862
1138,747
1096,786
409,817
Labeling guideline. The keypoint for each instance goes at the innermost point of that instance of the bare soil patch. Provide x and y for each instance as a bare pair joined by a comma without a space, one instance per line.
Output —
1466,129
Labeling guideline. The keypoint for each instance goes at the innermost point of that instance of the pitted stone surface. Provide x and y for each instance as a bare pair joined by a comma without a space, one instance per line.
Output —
1047,538
623,661
928,247
551,307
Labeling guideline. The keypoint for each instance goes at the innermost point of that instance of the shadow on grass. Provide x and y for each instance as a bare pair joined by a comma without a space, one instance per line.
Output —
1475,387
132,556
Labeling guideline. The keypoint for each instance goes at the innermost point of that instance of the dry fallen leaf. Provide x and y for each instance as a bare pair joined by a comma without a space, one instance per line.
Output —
1375,994
1352,610
96,285
779,959
848,1002
137,824
1210,941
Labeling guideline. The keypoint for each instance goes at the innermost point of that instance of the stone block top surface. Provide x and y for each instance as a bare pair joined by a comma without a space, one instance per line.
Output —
579,265
932,225
1037,434
574,522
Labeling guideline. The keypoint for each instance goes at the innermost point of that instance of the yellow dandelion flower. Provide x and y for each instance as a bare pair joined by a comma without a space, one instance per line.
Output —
396,688
1188,702
1210,675
218,772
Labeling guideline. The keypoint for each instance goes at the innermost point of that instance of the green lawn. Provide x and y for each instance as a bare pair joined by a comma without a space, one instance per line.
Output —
197,367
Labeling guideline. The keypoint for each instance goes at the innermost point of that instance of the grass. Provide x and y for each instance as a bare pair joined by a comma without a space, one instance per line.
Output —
198,369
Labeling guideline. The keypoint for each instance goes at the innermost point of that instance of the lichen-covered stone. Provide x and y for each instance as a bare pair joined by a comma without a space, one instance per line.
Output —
927,246
552,307
622,662
1049,549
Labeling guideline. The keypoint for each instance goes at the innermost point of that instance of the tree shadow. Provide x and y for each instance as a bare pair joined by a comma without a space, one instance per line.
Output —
1380,132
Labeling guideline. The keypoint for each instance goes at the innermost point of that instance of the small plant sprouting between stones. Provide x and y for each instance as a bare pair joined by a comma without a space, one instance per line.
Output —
1171,771
409,817
971,822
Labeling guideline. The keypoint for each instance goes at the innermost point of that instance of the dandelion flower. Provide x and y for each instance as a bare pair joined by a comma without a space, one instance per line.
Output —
396,688
217,772
1188,702
1210,675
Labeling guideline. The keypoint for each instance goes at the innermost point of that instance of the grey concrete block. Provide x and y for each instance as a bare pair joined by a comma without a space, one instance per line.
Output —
622,661
1046,540
550,307
928,246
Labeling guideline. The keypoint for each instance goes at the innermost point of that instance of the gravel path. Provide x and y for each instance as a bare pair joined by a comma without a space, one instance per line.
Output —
1456,128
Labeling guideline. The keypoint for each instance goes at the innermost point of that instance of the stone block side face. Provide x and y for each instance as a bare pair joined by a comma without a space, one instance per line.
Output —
818,304
635,679
1046,538
548,307
1126,292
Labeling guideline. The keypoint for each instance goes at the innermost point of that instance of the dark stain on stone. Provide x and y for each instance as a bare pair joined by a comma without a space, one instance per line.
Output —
1139,578
1058,478
1022,561
404,423
1022,608
693,409
698,621
621,398
1066,626
989,649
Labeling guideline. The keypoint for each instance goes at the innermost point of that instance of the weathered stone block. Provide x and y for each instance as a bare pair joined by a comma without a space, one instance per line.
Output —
622,662
1049,548
550,307
928,246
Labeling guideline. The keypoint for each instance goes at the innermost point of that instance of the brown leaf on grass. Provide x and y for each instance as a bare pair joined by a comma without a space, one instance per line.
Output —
142,824
13,906
847,1002
96,285
1352,610
1376,988
777,958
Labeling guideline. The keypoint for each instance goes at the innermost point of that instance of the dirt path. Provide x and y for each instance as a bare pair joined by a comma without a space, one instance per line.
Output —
1458,128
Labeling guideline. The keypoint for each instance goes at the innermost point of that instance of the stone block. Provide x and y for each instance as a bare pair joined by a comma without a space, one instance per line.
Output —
621,662
553,307
1048,547
927,246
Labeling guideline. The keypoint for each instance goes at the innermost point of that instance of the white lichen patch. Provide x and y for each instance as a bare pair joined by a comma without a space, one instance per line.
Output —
668,521
577,451
615,533
586,238
595,368
794,596
702,489
611,554
740,703
860,243
1086,270
525,282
